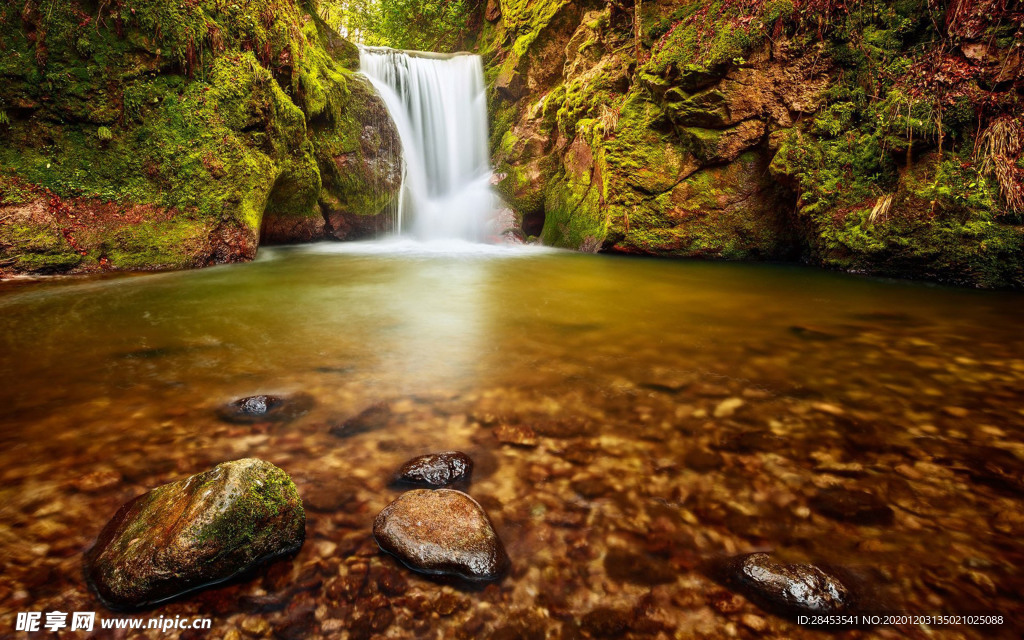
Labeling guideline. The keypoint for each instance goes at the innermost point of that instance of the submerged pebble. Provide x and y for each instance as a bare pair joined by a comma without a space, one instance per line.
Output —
637,568
441,532
201,530
517,434
436,469
376,416
264,408
858,507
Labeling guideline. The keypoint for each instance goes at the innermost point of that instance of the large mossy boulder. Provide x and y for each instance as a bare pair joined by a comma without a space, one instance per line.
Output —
155,135
195,532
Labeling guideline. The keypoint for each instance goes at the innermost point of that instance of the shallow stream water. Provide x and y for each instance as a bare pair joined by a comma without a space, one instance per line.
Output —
631,421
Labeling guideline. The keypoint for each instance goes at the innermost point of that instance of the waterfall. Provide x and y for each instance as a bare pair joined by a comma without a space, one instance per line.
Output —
439,106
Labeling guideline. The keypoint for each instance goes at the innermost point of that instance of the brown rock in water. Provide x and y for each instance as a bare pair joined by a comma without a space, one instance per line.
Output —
195,532
436,469
376,416
637,568
264,408
441,532
858,507
606,622
791,589
517,434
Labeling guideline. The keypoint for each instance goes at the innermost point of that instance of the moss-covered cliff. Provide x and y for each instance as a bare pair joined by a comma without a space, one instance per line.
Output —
144,134
877,137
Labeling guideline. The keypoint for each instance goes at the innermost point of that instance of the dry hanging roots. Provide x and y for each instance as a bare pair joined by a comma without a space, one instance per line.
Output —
998,150
882,207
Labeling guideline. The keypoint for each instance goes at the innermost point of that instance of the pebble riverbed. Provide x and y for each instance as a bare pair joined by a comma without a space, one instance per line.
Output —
630,422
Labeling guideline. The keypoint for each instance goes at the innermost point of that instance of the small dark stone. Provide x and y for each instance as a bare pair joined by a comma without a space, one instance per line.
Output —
299,626
198,531
381,620
790,589
993,467
262,604
858,507
347,587
703,460
374,417
591,487
528,629
445,604
278,577
340,370
152,353
391,582
361,628
753,441
441,532
605,622
812,333
637,568
256,405
263,408
578,455
436,469
563,427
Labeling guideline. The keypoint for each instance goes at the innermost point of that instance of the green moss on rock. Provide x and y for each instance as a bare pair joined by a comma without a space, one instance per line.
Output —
200,115
198,531
863,123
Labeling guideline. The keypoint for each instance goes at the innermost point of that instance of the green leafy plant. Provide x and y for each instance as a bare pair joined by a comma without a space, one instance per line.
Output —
428,25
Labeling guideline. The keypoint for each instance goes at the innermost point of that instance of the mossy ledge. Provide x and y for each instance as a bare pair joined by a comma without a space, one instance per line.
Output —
879,138
144,135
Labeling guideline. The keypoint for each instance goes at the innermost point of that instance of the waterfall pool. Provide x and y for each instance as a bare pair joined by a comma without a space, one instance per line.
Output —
631,420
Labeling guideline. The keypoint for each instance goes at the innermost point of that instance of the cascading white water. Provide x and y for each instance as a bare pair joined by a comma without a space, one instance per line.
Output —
439,106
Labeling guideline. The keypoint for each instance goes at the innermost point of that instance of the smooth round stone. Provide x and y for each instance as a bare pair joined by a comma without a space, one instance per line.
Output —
264,408
791,588
195,532
441,531
436,469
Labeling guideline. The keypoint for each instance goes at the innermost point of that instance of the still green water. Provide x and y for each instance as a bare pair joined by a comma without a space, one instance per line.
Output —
662,414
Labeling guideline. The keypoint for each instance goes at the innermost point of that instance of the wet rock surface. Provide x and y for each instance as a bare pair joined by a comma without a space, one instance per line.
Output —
266,408
198,531
442,532
436,469
796,589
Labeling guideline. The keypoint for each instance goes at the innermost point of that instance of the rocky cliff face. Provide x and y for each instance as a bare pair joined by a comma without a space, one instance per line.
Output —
141,134
872,137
